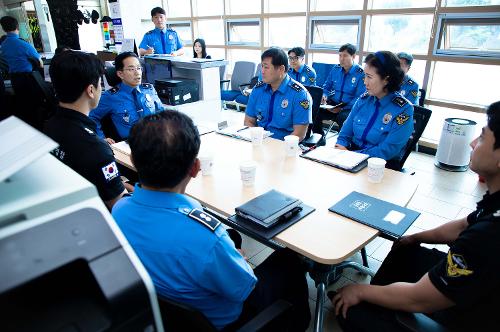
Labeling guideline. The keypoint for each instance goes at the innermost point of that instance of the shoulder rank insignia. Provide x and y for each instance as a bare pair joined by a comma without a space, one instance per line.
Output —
456,266
411,82
297,87
414,93
364,95
259,84
205,218
114,90
360,70
402,118
307,69
146,85
305,104
149,32
399,101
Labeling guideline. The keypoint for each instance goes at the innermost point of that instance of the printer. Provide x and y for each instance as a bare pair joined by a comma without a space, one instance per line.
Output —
65,265
177,91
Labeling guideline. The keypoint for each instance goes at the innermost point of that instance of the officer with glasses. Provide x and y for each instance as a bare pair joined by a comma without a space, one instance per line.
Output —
298,70
129,101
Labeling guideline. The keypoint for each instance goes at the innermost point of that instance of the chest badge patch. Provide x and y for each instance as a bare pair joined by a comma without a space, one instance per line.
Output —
456,266
305,104
353,80
110,171
170,37
284,103
387,118
303,79
126,118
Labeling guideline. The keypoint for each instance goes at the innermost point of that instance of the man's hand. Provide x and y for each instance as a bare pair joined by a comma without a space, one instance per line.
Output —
407,240
150,50
346,297
110,140
335,110
340,147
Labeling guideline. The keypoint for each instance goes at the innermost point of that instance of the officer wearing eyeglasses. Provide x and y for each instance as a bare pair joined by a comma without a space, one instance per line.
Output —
129,101
409,88
298,70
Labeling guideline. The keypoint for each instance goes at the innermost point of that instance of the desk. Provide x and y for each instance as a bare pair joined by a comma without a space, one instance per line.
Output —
323,237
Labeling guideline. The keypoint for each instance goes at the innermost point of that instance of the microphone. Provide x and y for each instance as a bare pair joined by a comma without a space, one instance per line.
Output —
322,140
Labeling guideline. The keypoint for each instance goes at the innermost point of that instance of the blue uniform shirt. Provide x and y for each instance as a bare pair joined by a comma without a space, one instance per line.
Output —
17,52
170,43
305,76
409,89
382,134
126,107
188,262
278,112
344,87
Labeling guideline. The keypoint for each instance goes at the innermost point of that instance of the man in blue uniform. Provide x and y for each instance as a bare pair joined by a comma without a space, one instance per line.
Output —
460,288
298,70
278,103
343,86
188,253
130,100
409,88
161,40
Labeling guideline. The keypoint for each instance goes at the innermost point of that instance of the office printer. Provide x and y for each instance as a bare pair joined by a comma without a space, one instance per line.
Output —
65,265
177,91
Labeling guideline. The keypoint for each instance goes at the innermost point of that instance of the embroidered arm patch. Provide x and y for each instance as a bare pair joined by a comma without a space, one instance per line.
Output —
402,118
305,104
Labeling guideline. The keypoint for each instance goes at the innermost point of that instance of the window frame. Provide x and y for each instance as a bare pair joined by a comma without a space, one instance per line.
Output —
174,24
341,19
229,22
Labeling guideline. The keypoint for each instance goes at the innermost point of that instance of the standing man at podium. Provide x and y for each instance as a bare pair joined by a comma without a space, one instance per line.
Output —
161,40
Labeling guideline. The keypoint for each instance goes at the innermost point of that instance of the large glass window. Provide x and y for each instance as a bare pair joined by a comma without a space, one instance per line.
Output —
286,6
383,4
242,55
464,3
287,31
243,32
323,58
409,33
465,83
183,30
331,5
176,8
212,31
147,5
464,35
208,7
333,32
242,7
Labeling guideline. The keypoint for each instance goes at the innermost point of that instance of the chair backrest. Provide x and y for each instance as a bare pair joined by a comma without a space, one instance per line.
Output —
258,69
181,317
421,116
316,93
222,72
242,74
322,71
421,97
111,77
47,95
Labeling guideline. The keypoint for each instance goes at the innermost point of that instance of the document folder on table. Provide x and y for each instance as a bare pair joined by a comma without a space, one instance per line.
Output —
240,132
390,219
347,160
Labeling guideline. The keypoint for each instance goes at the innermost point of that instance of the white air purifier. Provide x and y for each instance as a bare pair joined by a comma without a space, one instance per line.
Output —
453,152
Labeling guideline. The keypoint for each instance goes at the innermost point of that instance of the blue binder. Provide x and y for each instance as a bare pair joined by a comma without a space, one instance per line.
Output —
390,219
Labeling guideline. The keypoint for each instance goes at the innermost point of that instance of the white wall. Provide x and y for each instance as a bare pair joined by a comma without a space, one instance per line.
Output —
46,28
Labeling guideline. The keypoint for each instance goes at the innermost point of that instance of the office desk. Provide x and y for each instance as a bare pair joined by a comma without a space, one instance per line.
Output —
324,237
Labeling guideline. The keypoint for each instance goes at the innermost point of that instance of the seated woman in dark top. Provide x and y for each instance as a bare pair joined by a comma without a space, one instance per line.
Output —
200,49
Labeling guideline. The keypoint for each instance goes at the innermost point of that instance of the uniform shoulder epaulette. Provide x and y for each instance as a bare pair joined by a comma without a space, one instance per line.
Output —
337,66
114,90
364,95
360,70
149,32
411,82
400,101
204,218
147,85
259,84
296,86
307,68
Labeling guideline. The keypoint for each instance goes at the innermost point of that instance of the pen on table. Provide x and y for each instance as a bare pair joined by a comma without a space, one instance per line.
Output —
241,129
310,149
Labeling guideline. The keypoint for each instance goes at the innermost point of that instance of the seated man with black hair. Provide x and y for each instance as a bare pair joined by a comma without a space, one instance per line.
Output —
459,289
129,101
188,253
76,77
298,70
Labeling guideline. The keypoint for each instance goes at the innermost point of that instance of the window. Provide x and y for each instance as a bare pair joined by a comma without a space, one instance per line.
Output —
242,55
466,83
208,7
464,35
383,4
146,6
319,5
212,31
417,71
183,30
464,3
333,32
409,33
243,32
323,58
176,8
286,6
287,31
242,7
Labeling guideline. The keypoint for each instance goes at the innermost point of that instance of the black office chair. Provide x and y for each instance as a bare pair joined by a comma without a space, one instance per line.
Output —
421,116
181,317
421,97
417,322
315,130
111,77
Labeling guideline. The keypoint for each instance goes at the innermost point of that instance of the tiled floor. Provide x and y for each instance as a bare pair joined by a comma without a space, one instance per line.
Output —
440,197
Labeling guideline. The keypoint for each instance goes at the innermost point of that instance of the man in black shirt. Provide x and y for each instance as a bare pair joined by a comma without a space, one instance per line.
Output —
459,289
76,77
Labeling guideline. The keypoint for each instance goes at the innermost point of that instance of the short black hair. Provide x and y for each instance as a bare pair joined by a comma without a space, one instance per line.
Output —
71,72
299,51
164,147
203,47
387,66
9,23
349,48
277,55
493,114
157,10
121,57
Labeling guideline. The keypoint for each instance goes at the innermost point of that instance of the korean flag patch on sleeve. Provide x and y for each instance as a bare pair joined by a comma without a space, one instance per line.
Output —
110,171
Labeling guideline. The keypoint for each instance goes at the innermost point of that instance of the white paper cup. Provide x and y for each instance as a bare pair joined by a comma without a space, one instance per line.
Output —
206,164
257,135
376,168
248,169
291,145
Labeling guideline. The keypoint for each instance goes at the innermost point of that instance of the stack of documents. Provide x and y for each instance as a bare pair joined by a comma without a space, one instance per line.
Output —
240,132
344,159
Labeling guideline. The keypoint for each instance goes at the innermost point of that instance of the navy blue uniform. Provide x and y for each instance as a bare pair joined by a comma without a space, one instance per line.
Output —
126,105
378,128
342,87
305,75
409,89
280,110
163,41
17,52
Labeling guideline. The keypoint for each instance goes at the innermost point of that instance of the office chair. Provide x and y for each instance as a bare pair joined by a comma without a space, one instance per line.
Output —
314,131
421,116
241,98
421,97
242,73
111,77
181,317
322,72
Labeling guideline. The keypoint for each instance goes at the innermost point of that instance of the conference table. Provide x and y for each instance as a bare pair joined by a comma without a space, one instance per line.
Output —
327,239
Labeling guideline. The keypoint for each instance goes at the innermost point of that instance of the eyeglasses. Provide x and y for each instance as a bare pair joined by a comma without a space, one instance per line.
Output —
293,58
131,69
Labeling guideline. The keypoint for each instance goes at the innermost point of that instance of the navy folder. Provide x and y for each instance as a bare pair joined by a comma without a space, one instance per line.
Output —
390,219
